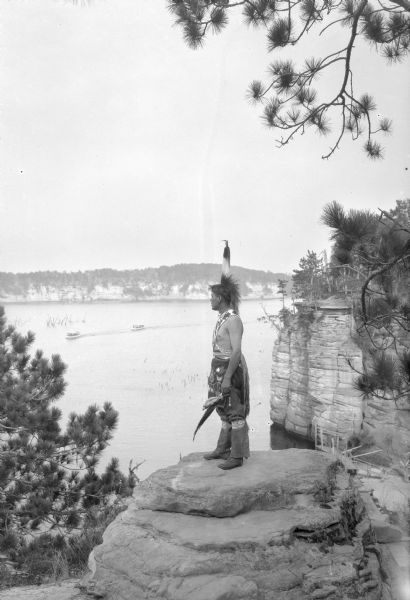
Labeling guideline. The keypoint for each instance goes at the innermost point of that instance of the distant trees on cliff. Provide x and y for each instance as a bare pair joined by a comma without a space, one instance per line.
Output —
311,280
370,268
291,96
48,478
282,286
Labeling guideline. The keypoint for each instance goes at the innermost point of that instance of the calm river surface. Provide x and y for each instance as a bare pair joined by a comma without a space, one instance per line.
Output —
156,378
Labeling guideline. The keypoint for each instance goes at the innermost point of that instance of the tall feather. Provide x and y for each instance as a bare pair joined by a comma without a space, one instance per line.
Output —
229,288
226,259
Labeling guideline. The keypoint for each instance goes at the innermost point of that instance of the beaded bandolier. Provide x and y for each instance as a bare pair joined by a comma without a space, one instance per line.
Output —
221,320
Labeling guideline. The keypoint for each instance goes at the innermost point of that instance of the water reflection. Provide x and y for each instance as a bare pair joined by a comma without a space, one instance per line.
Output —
280,439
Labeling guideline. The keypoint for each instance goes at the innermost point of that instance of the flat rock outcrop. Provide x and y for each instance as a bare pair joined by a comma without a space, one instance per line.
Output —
64,590
195,486
194,532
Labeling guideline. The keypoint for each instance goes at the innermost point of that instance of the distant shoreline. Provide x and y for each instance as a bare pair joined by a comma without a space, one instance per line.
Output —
179,283
125,301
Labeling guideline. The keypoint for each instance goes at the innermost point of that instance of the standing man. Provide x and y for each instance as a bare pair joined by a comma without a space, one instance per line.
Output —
229,374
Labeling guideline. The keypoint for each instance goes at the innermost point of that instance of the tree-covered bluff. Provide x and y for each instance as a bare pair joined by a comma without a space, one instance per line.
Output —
342,360
183,281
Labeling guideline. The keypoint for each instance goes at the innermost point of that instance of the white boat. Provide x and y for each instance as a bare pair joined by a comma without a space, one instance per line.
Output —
72,335
136,327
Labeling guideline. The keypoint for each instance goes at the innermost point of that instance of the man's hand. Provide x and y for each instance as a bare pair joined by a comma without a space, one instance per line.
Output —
226,386
211,401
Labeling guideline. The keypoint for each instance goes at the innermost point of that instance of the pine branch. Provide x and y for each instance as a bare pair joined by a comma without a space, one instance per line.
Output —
402,3
400,227
374,274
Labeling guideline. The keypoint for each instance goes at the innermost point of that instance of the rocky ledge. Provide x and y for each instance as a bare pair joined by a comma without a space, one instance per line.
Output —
285,526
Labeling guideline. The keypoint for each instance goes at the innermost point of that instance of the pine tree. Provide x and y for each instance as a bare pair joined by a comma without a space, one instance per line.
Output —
48,477
282,290
290,102
376,250
309,281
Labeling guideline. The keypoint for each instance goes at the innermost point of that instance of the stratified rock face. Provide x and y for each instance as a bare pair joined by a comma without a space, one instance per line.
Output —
388,424
312,381
194,532
195,487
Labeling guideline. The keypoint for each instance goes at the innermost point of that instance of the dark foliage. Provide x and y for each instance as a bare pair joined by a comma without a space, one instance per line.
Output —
48,479
311,280
371,265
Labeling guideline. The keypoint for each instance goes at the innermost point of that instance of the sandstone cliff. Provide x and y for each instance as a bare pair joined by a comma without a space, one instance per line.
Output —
312,381
315,363
194,532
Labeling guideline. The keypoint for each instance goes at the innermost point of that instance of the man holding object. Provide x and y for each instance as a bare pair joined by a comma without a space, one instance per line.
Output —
228,381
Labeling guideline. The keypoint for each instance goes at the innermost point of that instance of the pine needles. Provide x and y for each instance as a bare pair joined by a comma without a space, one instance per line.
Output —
290,103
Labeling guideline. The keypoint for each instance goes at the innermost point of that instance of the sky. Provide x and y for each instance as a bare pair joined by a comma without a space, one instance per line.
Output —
121,147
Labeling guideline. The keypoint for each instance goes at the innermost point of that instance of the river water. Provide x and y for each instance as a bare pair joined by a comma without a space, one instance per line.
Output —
156,378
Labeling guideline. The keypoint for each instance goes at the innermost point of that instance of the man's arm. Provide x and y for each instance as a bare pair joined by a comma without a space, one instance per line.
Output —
235,329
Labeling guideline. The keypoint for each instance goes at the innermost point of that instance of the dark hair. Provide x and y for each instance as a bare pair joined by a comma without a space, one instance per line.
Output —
220,290
228,290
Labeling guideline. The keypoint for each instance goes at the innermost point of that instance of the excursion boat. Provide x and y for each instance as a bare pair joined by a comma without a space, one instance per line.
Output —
136,327
72,335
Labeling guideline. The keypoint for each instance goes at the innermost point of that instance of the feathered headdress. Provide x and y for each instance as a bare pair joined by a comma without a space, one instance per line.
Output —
226,259
228,288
